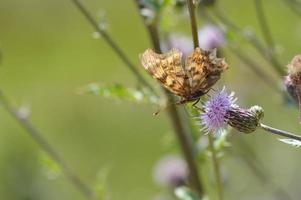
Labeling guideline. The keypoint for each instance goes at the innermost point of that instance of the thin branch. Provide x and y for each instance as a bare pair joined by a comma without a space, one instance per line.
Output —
119,52
280,132
38,137
249,156
193,22
216,166
184,138
257,70
265,29
253,40
247,60
295,6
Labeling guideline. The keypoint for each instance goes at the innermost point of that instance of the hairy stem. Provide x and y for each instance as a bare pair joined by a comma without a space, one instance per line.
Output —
184,138
294,5
216,167
256,69
280,132
119,52
253,40
266,32
38,137
193,23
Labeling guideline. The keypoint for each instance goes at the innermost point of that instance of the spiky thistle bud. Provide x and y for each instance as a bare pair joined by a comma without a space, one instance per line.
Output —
244,120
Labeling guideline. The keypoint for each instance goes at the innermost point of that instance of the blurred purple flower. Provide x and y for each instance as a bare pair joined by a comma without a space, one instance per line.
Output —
170,171
211,37
180,42
215,111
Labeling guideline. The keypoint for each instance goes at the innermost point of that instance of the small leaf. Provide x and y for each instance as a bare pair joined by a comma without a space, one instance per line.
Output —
184,193
120,92
294,143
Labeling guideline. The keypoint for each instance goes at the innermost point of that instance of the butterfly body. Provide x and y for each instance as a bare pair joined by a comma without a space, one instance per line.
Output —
190,80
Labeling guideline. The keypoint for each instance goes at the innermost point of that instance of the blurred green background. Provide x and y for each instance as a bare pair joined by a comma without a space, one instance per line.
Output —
49,53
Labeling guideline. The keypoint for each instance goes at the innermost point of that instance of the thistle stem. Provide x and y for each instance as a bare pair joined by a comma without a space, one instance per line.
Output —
264,24
253,40
280,132
184,138
216,166
119,52
266,31
38,137
193,23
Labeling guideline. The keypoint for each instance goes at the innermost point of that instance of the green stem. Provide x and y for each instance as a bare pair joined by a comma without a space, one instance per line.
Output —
184,137
38,137
280,132
216,167
193,23
119,52
253,40
266,32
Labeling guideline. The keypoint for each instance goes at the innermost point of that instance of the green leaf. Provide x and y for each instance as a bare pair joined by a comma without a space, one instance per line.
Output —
292,142
184,193
120,92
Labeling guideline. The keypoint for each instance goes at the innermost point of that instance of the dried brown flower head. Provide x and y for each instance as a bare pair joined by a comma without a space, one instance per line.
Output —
293,80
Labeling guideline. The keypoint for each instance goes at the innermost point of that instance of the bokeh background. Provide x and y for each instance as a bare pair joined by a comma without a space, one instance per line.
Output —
49,52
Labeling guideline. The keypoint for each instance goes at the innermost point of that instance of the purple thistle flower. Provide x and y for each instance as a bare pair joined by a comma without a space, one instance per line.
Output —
221,109
170,171
211,37
215,111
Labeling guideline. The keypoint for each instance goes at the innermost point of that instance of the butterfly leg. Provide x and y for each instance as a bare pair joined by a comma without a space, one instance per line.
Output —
195,106
197,101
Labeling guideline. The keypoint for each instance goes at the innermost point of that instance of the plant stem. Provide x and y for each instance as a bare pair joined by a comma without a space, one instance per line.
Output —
119,52
216,166
266,32
187,147
248,60
38,137
253,40
193,23
280,132
184,138
295,6
256,69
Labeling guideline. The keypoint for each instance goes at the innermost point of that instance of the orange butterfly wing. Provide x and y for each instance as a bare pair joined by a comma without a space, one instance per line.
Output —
203,69
167,68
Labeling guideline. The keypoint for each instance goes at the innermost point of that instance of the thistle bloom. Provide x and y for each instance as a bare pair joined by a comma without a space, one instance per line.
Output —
170,171
221,109
214,117
211,37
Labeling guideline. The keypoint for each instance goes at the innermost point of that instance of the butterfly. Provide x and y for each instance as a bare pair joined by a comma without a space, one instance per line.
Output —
189,80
